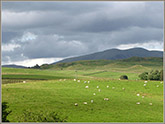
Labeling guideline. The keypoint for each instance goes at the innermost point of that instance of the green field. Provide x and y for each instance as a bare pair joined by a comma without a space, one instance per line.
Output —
52,89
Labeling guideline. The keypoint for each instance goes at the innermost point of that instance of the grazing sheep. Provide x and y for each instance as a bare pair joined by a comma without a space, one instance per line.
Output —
76,104
24,81
99,90
161,82
145,81
91,101
97,86
85,103
142,96
157,86
64,79
145,84
113,87
123,88
84,81
60,80
107,86
106,99
150,103
86,86
74,79
94,94
88,82
138,103
138,94
78,80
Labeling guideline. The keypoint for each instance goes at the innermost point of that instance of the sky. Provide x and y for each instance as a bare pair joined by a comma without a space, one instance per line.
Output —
45,32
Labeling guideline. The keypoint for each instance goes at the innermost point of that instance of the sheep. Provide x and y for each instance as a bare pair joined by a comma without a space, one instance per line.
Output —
113,87
106,99
24,81
107,86
123,88
145,81
157,86
142,96
145,84
78,80
150,103
161,82
84,81
97,86
64,79
85,103
88,82
138,94
74,79
94,94
91,101
76,104
138,103
99,90
86,86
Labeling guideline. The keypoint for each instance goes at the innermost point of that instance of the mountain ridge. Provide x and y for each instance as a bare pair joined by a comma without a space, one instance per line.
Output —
113,54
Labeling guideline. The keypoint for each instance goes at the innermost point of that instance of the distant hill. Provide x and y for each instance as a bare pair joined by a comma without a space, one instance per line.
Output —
14,66
133,62
114,54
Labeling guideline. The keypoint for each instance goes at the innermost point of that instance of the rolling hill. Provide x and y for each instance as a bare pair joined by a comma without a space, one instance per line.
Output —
114,54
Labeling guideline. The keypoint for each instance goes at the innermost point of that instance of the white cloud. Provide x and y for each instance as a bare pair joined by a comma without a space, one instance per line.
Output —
10,47
32,62
152,45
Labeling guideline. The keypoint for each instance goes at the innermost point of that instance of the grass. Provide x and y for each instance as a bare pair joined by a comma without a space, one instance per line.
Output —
52,89
60,96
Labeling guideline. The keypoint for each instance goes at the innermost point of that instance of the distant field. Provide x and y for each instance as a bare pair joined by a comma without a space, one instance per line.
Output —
52,89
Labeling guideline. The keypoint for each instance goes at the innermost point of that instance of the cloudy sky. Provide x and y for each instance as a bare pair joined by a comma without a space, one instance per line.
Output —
44,32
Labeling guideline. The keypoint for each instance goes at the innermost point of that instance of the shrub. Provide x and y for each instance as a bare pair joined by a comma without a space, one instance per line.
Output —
5,112
124,77
29,116
144,76
161,75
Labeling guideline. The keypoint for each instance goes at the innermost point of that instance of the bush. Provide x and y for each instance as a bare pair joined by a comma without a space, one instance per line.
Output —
144,76
152,75
29,116
5,112
124,77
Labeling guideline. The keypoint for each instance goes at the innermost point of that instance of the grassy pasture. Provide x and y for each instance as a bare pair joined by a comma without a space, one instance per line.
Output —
52,89
60,96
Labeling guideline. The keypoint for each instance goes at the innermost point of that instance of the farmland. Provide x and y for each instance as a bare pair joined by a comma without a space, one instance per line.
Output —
52,89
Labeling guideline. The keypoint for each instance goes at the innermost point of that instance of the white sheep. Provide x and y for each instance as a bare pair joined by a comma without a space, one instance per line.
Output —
99,90
106,99
64,79
91,101
107,86
24,81
145,81
138,94
142,96
94,94
113,87
138,103
97,86
86,86
161,82
78,80
85,103
76,104
88,82
157,86
150,103
84,81
123,88
145,84
74,79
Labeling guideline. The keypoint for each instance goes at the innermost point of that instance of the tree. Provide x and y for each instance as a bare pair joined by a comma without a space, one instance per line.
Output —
5,112
144,76
161,75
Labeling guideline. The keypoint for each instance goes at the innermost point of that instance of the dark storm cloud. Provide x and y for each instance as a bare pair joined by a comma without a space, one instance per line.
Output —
61,29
